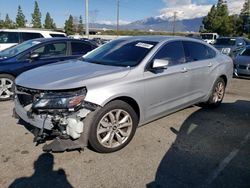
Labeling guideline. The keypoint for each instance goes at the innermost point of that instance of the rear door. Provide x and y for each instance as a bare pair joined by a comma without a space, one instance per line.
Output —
200,65
166,90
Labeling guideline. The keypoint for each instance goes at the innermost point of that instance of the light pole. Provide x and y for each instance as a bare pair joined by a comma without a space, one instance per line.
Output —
87,18
174,23
118,17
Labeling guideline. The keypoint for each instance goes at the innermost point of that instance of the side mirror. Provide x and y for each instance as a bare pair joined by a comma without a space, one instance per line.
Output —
160,64
34,56
240,44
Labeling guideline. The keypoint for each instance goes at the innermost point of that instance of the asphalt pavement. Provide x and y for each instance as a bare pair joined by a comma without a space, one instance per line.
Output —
194,147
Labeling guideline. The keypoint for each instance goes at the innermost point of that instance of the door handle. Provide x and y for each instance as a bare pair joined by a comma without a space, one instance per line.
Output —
183,70
210,65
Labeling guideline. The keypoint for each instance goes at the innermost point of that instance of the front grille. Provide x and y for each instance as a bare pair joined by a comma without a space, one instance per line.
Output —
243,67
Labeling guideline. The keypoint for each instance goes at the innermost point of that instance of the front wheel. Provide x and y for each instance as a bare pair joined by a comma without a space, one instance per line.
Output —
112,127
6,87
217,94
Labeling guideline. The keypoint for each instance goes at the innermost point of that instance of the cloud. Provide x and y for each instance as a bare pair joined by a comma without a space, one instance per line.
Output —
188,9
109,22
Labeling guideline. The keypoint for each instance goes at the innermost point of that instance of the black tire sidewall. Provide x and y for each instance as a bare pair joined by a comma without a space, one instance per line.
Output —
98,115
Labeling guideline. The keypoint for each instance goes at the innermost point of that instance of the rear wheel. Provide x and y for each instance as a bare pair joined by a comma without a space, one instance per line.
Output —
6,87
112,127
217,94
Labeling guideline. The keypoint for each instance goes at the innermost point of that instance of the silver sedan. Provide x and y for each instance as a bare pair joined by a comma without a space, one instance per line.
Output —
103,97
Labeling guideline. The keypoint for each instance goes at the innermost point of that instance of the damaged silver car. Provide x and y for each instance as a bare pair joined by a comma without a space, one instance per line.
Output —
100,99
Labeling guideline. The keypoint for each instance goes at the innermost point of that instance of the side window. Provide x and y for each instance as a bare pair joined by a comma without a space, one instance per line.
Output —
9,37
80,48
52,50
197,52
29,36
173,52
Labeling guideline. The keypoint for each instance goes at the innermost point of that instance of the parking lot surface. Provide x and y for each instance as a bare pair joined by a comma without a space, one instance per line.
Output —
194,147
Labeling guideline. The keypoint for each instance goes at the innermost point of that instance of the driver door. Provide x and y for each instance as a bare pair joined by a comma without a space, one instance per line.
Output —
166,90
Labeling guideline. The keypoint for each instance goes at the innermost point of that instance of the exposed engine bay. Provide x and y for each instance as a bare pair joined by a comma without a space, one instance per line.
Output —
55,114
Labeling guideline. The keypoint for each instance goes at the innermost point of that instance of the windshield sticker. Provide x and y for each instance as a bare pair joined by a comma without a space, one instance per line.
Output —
144,45
36,42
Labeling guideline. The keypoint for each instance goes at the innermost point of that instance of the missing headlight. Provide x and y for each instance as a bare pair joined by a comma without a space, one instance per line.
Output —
60,100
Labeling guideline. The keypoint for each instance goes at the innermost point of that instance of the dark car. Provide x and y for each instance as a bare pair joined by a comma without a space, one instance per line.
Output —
35,53
231,45
242,63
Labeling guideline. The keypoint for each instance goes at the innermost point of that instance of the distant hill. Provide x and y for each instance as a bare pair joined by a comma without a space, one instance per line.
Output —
158,24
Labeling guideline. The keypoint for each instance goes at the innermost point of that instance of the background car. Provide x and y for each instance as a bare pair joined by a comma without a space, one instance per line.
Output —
231,46
35,53
12,37
242,63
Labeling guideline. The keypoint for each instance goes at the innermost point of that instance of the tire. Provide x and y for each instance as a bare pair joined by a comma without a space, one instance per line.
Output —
112,127
6,87
217,94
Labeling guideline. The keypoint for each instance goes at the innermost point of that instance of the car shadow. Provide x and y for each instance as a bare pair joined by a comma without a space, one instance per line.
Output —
204,140
44,175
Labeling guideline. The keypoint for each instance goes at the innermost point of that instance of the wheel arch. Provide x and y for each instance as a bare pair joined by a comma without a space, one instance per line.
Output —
132,102
224,77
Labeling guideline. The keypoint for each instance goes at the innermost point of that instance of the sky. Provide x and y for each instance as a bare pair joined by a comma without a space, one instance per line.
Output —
104,11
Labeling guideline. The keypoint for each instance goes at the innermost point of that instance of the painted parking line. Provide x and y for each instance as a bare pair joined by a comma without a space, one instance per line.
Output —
226,161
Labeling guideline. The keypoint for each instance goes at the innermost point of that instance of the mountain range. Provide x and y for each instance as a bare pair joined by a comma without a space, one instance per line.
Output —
158,24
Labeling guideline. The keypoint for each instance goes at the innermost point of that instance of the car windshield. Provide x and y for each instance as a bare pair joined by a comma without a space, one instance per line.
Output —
226,41
120,53
245,52
207,36
13,51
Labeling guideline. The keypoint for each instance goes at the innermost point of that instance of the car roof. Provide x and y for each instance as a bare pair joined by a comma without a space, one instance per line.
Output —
27,30
154,38
57,39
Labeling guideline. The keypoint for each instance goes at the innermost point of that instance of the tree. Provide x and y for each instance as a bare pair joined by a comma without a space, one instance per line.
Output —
36,17
208,21
20,18
49,22
218,19
69,26
80,26
244,19
8,23
1,24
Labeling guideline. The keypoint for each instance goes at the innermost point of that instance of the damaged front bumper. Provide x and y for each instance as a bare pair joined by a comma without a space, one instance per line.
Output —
66,128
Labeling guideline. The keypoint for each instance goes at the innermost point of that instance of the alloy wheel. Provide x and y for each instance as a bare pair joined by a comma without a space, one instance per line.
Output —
114,128
219,91
6,88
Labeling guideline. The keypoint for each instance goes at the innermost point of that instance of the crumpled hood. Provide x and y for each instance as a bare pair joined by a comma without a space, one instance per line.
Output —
70,74
242,60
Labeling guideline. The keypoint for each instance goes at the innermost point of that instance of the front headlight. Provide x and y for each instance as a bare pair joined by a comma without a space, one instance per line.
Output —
60,100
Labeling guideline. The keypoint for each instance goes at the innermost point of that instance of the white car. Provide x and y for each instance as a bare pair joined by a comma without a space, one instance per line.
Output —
12,37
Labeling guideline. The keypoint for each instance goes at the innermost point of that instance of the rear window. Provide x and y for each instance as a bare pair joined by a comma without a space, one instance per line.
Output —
9,37
57,35
29,36
80,48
